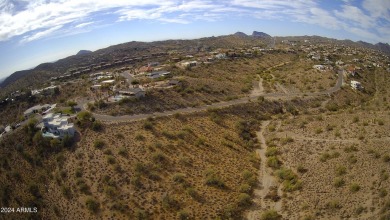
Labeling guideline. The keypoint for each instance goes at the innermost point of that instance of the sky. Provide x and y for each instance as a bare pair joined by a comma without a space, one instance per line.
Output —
37,31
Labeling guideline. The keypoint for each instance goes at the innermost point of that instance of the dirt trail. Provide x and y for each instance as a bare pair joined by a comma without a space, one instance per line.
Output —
268,184
258,88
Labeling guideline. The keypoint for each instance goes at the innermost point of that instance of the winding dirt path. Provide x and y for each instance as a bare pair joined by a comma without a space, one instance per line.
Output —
268,184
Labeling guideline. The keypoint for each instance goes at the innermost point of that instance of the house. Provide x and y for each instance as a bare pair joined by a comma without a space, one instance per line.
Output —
96,87
57,126
158,74
108,82
189,64
36,109
356,85
133,92
174,82
319,67
153,64
220,56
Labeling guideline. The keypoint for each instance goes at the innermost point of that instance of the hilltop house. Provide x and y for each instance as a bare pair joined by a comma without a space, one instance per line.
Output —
356,85
36,109
56,126
158,74
133,92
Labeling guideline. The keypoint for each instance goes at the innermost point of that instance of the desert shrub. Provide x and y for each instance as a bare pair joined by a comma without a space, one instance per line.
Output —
290,180
79,172
301,169
246,174
386,158
179,177
352,159
148,125
99,144
97,126
319,130
66,192
272,151
355,119
382,192
212,179
141,214
183,215
270,215
273,162
244,200
158,157
107,152
335,204
384,175
245,188
92,205
192,192
339,182
169,202
139,137
341,170
354,187
136,181
111,159
110,191
123,152
140,168
350,149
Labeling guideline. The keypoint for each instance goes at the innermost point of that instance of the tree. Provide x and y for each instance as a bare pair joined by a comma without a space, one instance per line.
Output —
72,104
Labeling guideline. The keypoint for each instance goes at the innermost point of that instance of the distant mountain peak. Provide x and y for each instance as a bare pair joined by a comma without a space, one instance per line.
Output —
81,52
260,34
240,34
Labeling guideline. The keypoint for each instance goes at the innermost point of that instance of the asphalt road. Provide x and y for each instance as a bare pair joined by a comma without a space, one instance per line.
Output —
127,118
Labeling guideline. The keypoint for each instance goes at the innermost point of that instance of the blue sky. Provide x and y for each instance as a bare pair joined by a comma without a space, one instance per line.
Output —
36,31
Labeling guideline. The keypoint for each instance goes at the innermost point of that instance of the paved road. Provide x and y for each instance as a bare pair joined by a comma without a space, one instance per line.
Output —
125,118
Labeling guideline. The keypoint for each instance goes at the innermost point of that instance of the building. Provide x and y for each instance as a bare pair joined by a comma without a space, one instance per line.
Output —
189,64
56,126
36,109
158,74
356,85
319,67
133,92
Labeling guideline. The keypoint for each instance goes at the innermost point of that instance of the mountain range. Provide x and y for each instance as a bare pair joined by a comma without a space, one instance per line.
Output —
41,73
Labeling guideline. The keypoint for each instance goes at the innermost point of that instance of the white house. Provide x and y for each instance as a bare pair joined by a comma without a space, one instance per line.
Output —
356,85
56,126
319,67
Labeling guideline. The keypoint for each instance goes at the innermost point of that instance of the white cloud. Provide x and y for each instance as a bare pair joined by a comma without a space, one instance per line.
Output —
37,19
356,15
83,24
40,34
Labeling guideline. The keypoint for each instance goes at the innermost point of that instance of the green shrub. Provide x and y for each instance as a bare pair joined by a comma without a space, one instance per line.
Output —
244,200
183,215
92,205
272,151
339,182
245,188
97,126
179,177
335,204
212,179
382,192
111,160
354,187
273,162
341,170
270,215
99,144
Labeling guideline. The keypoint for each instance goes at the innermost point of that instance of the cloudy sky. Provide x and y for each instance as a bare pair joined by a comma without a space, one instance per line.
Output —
36,31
